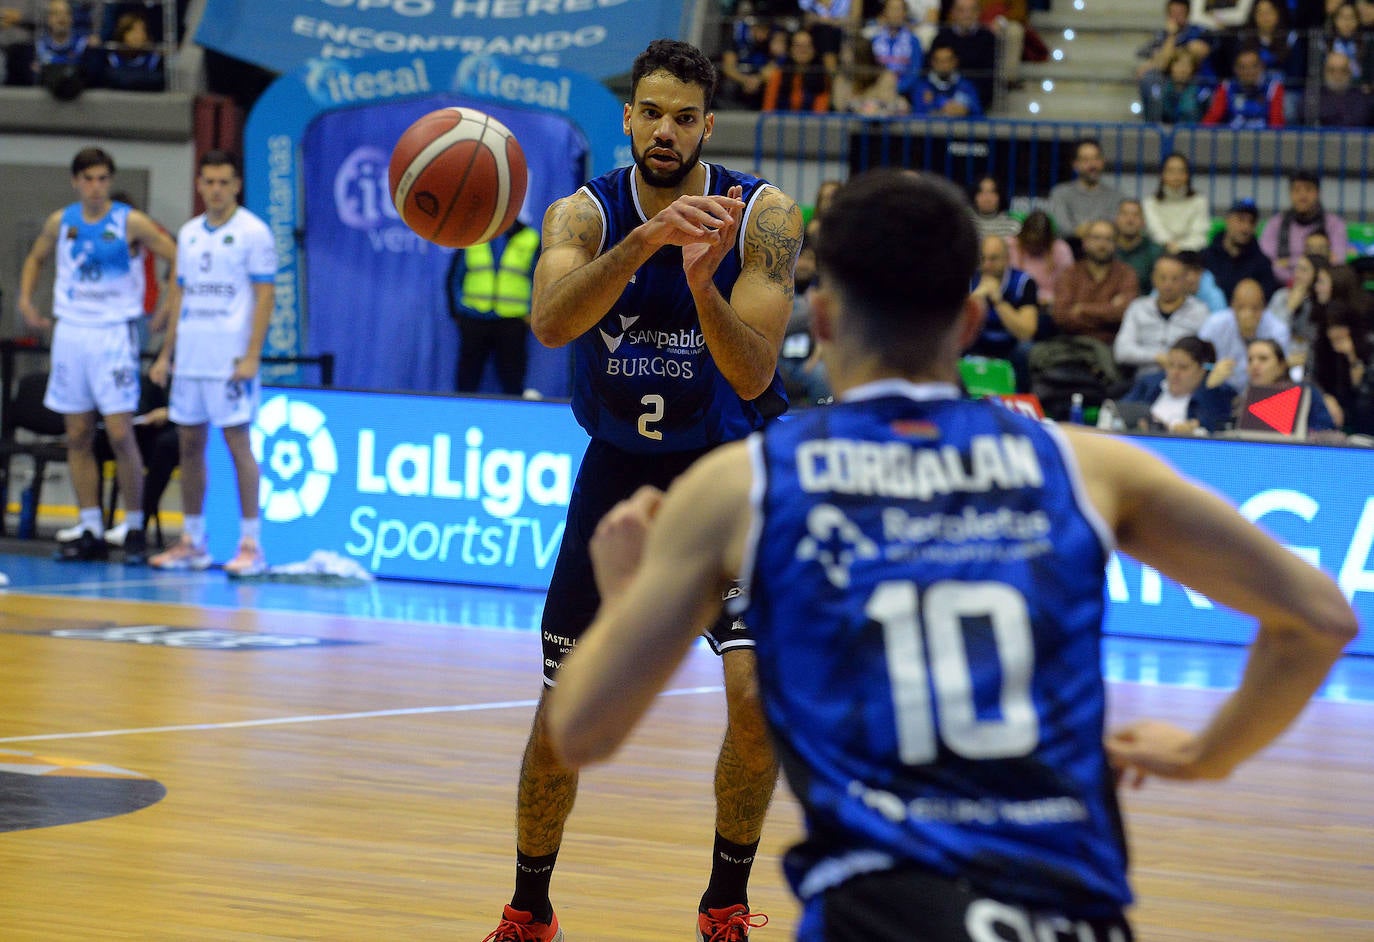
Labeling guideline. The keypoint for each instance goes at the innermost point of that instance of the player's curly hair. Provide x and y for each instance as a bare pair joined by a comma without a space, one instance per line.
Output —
682,61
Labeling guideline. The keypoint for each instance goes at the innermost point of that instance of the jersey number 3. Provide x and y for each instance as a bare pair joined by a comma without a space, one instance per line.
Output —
927,658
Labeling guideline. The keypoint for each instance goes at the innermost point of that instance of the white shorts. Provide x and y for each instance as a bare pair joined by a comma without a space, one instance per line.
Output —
94,368
224,403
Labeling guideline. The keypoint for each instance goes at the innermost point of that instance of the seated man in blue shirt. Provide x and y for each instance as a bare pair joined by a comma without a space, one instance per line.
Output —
943,92
1230,331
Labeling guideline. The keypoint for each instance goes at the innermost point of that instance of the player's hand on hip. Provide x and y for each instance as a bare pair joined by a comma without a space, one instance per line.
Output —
618,543
32,318
1154,748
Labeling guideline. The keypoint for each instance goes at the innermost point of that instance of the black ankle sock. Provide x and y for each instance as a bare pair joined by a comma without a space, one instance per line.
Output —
532,877
730,866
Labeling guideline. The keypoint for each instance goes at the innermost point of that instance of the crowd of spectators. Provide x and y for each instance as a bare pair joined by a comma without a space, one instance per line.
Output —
1261,64
1174,309
882,57
77,45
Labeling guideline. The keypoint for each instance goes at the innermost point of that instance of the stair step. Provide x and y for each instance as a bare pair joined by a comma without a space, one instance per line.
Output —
1110,59
1092,22
1072,100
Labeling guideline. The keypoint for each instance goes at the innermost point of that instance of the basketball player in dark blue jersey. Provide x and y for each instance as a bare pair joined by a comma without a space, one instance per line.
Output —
672,279
924,579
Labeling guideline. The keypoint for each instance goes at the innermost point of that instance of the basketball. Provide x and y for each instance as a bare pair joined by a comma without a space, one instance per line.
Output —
458,177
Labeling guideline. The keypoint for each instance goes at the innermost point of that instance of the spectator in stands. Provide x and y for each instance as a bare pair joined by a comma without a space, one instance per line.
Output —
896,47
923,17
1345,37
974,45
1341,103
1231,330
1185,398
1286,232
826,22
943,92
1317,243
799,363
16,47
1075,204
863,86
1178,35
1282,50
990,209
1301,304
1177,215
1177,97
1253,99
1151,324
1036,251
1342,368
802,83
1267,365
1133,246
824,194
1012,309
130,62
1234,255
746,64
1091,297
1200,282
60,45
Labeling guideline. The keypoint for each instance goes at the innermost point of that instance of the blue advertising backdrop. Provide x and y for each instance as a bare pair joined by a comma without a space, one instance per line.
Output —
480,497
439,488
375,291
594,37
582,117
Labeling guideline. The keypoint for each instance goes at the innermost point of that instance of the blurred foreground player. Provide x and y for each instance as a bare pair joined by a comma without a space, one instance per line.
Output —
924,580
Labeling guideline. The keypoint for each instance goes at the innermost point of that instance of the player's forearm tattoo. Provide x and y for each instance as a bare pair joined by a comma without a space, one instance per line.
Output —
778,237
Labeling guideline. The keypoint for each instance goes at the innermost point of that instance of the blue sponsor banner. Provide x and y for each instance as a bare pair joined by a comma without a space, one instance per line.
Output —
375,290
275,157
599,38
438,488
1317,501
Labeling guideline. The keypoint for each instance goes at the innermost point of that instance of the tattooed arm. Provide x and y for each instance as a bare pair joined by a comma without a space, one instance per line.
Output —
744,334
574,287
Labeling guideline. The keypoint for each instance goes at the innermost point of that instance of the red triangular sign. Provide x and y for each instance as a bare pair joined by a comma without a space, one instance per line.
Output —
1280,410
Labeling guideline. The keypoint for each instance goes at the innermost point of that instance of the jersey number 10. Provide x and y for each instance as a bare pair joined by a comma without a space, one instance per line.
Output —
932,684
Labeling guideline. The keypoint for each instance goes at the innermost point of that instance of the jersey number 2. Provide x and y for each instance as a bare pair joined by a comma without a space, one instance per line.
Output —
927,657
653,413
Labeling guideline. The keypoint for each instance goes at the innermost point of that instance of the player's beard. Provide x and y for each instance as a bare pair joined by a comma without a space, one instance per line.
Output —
672,179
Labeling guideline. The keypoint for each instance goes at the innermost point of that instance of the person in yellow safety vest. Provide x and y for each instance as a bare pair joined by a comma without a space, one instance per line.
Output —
489,288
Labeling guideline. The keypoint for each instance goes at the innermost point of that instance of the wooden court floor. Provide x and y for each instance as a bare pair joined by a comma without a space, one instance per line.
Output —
363,790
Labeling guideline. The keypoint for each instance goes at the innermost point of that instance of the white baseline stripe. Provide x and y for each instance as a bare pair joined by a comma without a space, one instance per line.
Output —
326,718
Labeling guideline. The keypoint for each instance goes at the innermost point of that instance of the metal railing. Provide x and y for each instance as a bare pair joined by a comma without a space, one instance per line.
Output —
800,151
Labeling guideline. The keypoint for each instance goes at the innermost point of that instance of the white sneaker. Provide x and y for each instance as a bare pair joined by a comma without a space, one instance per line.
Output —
249,561
184,554
69,534
115,535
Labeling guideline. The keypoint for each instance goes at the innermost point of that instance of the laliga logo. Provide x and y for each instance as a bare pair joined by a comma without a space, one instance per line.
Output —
835,541
297,457
360,190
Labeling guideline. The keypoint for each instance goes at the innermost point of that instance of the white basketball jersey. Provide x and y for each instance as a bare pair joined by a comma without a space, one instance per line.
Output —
96,280
217,268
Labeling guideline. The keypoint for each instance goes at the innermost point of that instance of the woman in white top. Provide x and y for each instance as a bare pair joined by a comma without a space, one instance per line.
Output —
1176,215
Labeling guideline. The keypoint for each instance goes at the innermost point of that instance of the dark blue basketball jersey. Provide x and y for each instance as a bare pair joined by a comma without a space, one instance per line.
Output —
643,378
926,592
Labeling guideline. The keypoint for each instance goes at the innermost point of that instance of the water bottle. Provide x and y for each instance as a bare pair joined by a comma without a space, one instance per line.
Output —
28,512
1076,409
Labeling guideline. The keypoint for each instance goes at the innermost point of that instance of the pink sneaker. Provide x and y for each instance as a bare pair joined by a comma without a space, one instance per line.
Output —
249,561
519,926
185,554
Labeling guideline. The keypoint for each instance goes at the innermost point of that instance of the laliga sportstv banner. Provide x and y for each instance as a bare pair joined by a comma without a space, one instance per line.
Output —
437,488
599,38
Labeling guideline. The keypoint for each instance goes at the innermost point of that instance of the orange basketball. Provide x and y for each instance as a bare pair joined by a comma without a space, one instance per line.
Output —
458,177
